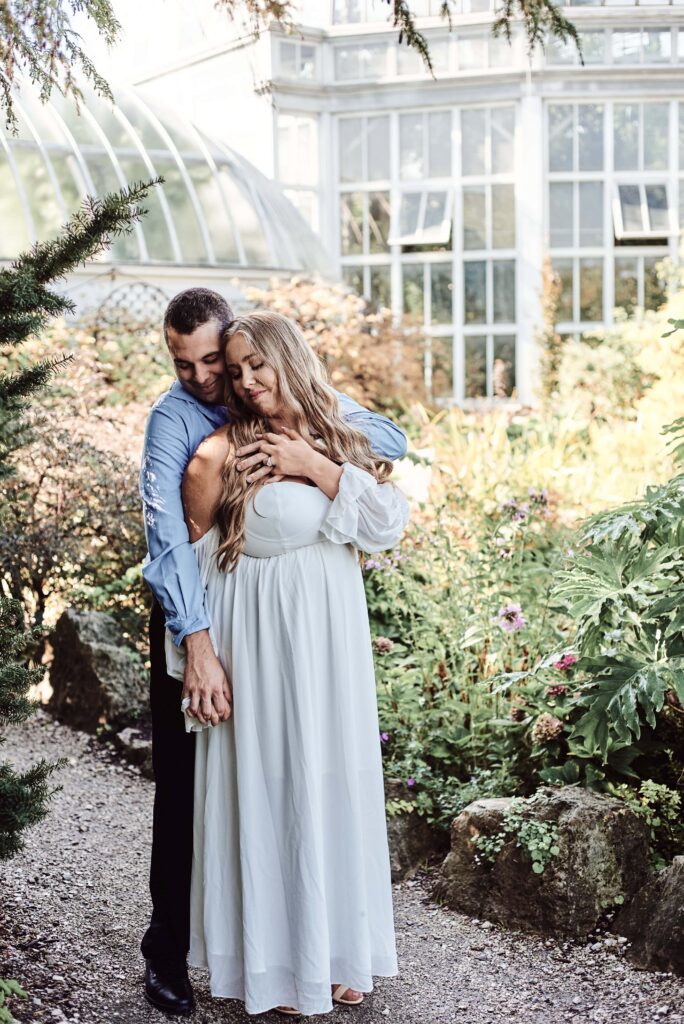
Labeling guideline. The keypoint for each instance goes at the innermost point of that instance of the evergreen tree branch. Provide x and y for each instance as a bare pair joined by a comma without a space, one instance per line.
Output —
16,386
37,39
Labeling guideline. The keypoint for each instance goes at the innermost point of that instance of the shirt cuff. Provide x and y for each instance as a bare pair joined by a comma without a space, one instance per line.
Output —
179,629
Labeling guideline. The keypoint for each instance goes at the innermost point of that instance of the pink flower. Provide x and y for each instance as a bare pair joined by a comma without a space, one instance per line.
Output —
565,663
556,691
410,782
510,617
383,645
384,736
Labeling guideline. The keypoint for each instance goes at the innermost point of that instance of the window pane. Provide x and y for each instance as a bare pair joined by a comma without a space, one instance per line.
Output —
503,217
474,292
439,152
503,285
655,136
626,284
590,136
565,306
378,148
288,59
656,201
630,205
560,137
435,209
351,153
559,52
591,213
593,47
412,291
474,236
351,211
591,289
560,214
476,367
681,136
409,212
626,136
439,52
411,163
657,46
307,62
626,46
218,224
503,366
473,141
655,290
353,278
472,53
503,138
378,221
441,293
380,287
347,64
409,61
442,361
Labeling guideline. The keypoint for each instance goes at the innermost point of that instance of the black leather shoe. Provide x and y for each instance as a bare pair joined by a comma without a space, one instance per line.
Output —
168,988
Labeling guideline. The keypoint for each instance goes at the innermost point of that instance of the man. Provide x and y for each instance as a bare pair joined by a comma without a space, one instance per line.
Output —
179,421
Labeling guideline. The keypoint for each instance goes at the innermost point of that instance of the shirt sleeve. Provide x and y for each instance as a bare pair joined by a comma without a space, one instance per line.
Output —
171,568
371,515
386,438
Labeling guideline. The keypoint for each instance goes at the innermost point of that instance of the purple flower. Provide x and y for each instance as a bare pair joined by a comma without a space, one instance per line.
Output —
384,736
510,617
372,563
410,782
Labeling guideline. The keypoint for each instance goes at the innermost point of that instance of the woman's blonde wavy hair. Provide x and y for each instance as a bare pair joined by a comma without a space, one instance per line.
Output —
303,389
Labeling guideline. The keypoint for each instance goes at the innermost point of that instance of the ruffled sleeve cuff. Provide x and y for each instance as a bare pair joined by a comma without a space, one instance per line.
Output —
370,515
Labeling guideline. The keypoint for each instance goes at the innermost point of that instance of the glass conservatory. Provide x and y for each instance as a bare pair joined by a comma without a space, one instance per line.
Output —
214,210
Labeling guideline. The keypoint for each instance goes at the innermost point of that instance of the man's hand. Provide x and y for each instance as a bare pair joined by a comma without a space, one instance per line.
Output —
206,683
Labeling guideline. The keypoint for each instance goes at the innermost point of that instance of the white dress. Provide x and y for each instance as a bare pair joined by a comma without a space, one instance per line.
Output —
291,886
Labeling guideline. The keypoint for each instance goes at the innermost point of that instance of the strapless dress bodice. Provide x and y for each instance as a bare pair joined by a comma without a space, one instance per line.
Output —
284,516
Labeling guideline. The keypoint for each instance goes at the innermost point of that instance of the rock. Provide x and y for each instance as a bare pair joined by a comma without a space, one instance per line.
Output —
603,859
95,675
653,921
411,840
136,749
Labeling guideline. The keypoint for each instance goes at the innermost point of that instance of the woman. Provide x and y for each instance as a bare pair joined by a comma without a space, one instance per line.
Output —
291,896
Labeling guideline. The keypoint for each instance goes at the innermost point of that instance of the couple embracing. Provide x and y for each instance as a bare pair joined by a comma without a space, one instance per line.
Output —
260,486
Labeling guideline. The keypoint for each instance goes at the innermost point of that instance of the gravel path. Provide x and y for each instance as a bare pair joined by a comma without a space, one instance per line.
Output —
76,903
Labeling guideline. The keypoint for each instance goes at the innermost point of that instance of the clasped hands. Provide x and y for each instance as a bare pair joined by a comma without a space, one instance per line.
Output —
290,456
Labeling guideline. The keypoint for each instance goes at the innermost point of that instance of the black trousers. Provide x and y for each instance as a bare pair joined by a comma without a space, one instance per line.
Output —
173,756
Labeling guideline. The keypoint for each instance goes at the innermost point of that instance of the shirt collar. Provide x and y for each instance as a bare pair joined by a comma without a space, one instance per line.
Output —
217,412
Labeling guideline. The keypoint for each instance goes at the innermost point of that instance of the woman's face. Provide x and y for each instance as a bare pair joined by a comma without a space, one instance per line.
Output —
253,380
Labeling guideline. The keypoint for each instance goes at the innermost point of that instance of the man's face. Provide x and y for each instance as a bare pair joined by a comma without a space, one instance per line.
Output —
198,361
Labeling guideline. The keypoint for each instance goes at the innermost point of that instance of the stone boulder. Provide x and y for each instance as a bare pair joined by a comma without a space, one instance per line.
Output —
654,921
96,676
411,840
137,749
603,860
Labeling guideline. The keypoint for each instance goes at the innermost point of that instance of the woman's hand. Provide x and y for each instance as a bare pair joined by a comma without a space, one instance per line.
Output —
289,454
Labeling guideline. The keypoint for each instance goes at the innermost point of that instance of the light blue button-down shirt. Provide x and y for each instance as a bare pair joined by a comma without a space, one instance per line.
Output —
176,426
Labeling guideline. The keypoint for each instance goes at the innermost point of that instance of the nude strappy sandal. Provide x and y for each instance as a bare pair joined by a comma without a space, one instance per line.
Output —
337,996
287,1011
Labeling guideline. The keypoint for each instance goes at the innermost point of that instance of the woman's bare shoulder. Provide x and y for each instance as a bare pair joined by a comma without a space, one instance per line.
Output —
212,452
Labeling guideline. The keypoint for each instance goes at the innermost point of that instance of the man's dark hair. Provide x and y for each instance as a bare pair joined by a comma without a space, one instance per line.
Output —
196,306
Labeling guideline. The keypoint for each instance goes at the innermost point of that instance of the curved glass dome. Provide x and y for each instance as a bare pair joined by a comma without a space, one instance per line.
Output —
214,208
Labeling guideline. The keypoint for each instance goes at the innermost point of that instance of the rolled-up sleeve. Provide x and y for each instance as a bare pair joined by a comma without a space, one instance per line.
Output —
170,568
386,438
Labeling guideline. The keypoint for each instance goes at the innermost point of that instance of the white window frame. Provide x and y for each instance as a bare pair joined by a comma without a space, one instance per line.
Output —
621,233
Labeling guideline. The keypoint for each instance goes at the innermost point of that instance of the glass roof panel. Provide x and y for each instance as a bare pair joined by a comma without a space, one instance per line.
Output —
256,248
46,209
193,249
155,226
218,221
14,236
